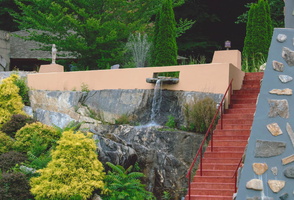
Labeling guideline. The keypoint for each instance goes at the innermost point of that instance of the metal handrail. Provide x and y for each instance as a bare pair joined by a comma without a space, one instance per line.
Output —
207,134
236,173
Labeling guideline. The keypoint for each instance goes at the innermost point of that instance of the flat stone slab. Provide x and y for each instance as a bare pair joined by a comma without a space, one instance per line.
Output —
276,185
255,184
288,160
288,56
289,172
278,66
259,168
265,149
274,129
164,80
286,91
278,108
290,132
285,78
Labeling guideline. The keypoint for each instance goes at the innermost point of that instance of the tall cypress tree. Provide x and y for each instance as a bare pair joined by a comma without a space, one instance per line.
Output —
258,33
165,47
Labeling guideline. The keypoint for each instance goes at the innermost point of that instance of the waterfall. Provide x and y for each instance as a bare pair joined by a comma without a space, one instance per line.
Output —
156,102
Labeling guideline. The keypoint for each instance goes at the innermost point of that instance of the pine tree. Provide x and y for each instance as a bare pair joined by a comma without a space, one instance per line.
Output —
258,33
165,47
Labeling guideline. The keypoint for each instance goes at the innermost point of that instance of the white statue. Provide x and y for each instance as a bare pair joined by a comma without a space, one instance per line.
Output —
54,52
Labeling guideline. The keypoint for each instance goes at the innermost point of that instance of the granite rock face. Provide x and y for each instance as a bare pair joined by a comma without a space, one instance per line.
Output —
109,105
265,149
162,155
288,56
278,108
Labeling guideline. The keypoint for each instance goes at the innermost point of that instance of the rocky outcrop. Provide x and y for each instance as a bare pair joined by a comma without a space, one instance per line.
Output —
109,105
163,156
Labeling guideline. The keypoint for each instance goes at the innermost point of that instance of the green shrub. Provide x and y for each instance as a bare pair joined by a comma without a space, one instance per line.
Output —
35,137
14,186
171,122
21,83
10,101
124,184
73,172
199,114
123,119
16,122
6,143
10,159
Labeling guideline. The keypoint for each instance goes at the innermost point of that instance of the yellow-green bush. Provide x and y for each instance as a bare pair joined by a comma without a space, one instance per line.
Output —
6,143
74,170
35,133
10,101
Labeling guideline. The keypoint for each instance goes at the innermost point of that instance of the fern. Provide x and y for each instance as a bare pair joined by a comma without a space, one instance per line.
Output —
125,184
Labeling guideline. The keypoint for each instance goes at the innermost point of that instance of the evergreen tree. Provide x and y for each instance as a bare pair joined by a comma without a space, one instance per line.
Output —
258,33
165,45
74,172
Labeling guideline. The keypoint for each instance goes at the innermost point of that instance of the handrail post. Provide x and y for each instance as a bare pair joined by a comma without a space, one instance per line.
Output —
189,183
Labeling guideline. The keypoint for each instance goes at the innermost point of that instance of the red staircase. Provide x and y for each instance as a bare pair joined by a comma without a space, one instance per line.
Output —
217,181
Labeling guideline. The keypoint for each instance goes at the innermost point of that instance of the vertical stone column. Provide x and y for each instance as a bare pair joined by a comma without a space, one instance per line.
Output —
4,50
289,13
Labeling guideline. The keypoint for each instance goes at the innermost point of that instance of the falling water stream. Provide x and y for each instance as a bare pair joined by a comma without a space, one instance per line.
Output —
156,102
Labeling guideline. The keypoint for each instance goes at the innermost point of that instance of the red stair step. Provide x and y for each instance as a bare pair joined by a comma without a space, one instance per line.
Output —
223,192
218,166
218,173
210,197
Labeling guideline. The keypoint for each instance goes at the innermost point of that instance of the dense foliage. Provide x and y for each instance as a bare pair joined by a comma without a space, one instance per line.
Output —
21,83
6,143
10,159
74,170
16,122
124,184
45,136
258,32
10,101
165,37
93,31
14,186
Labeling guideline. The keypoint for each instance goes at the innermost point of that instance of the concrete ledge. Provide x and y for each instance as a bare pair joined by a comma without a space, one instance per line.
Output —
51,68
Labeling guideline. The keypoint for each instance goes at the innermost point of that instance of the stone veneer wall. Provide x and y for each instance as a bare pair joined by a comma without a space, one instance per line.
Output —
4,50
268,171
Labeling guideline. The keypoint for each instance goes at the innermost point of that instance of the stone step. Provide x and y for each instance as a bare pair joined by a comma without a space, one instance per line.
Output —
229,143
224,132
223,154
224,148
219,166
240,110
218,173
235,126
208,197
212,191
213,179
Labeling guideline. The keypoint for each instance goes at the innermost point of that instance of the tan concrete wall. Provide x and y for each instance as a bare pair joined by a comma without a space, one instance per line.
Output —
212,78
228,56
